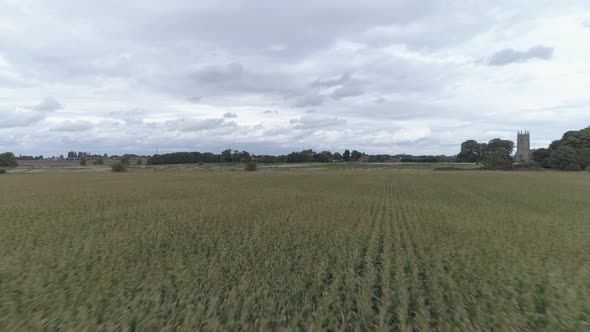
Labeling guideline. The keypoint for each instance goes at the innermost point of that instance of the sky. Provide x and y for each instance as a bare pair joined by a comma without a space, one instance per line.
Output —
271,77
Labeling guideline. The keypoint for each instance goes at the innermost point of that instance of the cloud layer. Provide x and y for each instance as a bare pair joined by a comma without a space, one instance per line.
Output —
508,56
271,77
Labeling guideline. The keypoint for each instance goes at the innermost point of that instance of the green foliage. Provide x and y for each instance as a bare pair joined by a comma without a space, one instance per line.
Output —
583,158
498,160
139,162
250,166
323,157
300,157
572,167
119,167
572,148
8,159
505,146
99,161
541,156
346,155
355,155
562,157
470,152
2,171
528,165
83,161
496,154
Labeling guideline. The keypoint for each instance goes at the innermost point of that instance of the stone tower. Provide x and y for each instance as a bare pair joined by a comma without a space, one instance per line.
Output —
523,147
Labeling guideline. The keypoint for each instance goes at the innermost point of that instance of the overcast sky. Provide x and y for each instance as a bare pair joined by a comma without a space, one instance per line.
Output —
271,76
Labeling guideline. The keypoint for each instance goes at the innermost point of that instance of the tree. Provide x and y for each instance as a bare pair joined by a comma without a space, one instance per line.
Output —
562,157
99,161
125,161
355,155
300,157
323,157
139,162
498,160
8,159
584,158
505,146
470,152
337,156
346,155
483,152
83,161
227,155
541,156
119,167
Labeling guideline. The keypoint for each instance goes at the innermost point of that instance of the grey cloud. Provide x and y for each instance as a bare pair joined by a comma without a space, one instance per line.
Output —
347,91
48,104
271,112
508,56
72,126
229,115
316,123
12,119
331,82
131,117
215,74
312,99
198,124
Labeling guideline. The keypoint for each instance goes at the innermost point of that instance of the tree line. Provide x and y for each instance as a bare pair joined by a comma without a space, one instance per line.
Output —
496,154
309,155
571,152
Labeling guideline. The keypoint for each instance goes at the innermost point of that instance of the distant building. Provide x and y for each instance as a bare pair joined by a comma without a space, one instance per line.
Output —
523,147
363,159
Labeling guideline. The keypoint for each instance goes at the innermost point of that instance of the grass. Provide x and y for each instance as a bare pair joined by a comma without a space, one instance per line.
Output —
398,249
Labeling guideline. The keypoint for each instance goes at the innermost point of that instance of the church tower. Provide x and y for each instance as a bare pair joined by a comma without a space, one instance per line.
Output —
523,147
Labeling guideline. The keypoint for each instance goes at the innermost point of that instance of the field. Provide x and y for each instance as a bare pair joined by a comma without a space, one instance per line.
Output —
362,249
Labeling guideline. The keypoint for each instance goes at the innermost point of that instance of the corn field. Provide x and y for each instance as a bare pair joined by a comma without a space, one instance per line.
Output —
295,250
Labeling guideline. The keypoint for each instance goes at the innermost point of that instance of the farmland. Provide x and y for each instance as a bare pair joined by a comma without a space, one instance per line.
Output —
362,249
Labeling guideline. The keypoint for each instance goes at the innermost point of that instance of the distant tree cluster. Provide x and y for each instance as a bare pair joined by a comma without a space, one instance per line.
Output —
496,154
185,158
80,155
571,152
309,155
8,159
426,159
21,157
